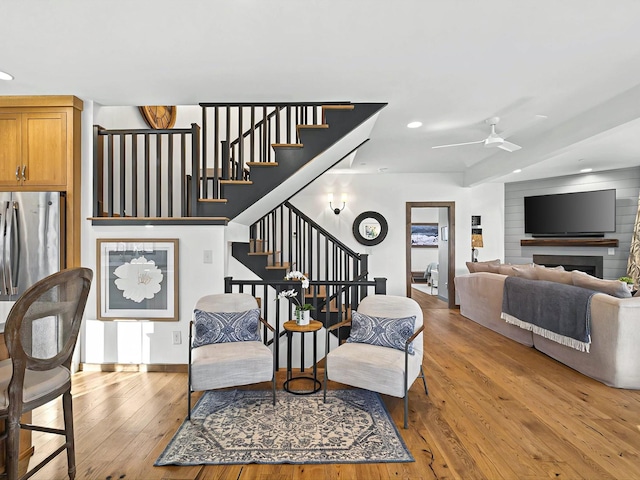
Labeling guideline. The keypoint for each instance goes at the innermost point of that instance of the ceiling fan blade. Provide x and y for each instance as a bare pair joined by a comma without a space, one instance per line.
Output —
457,144
509,147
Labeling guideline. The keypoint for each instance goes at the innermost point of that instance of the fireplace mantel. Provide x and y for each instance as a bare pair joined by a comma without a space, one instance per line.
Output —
569,242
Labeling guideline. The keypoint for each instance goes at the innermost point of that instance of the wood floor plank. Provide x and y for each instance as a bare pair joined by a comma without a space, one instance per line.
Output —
495,410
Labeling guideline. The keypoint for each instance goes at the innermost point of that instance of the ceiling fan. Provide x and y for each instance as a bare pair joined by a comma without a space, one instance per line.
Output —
492,141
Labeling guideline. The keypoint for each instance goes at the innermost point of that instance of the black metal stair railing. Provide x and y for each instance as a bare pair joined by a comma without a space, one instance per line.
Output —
142,172
162,176
238,136
288,240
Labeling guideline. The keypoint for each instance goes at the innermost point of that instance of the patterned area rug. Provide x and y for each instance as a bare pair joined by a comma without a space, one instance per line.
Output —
243,426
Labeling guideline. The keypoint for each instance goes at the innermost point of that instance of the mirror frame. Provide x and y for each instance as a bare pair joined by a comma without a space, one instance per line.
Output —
384,228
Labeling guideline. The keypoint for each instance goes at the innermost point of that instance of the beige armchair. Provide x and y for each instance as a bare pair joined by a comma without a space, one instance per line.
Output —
380,368
228,354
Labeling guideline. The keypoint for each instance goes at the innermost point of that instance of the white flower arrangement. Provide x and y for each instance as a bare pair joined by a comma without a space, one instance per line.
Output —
295,275
293,293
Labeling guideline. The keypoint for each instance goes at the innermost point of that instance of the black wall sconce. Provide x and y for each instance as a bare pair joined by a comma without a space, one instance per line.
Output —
335,209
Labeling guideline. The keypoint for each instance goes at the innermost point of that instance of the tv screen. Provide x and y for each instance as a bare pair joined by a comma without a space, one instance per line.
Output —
578,214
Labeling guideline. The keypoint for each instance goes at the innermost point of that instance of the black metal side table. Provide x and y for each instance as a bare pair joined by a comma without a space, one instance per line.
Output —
292,327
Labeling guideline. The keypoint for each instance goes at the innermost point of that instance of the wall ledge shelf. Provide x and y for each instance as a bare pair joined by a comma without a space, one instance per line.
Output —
569,242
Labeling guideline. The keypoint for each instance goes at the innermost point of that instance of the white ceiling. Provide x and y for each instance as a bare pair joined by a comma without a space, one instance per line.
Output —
450,64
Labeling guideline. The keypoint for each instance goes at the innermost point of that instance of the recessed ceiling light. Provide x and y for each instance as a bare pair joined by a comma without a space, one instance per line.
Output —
586,170
414,125
517,170
5,76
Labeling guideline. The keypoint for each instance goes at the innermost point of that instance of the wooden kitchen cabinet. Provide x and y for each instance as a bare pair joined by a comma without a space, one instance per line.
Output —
40,150
34,149
10,148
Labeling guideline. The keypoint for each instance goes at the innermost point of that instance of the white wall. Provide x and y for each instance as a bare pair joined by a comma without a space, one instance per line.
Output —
388,195
130,341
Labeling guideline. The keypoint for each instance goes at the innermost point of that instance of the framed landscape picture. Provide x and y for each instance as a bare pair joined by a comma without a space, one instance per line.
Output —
137,279
424,235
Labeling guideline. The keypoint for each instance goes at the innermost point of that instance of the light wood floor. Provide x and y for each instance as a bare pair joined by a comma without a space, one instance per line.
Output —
495,410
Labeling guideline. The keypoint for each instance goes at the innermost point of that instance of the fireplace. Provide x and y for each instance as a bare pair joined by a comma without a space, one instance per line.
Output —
587,264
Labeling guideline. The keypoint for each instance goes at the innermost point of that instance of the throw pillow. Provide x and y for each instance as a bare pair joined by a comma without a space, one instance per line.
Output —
615,288
482,266
223,327
559,267
506,269
526,272
554,275
384,332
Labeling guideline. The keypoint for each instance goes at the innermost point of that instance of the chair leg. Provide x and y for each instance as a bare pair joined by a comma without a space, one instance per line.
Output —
406,410
424,380
189,402
12,448
273,387
67,408
325,382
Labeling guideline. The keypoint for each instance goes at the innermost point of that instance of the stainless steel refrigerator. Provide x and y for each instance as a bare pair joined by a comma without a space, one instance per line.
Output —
31,225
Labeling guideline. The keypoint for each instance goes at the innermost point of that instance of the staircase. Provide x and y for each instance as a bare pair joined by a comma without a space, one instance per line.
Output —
267,184
245,165
247,160
286,239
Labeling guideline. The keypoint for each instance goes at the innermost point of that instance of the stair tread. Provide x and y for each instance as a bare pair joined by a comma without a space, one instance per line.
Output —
262,164
286,145
333,307
236,182
322,125
277,266
261,253
338,107
213,200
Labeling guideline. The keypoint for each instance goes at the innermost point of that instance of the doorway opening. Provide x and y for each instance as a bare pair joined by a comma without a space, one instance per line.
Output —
424,253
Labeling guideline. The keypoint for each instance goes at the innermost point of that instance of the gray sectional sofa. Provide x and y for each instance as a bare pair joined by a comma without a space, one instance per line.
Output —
614,356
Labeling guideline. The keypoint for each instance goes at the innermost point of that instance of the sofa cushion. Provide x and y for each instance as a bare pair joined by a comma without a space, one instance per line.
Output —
615,288
529,273
508,268
488,266
553,275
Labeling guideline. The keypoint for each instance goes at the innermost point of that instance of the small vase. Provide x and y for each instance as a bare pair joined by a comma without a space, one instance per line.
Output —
302,317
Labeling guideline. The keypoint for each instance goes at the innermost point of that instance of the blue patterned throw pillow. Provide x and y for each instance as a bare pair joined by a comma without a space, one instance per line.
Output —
222,327
385,332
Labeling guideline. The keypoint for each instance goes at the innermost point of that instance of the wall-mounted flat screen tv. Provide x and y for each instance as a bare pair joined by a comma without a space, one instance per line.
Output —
571,214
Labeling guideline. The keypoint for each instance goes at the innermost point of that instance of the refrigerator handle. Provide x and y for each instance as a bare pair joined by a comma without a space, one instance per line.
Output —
3,236
12,246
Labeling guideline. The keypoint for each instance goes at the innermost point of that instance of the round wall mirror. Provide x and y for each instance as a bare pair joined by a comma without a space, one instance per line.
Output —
370,228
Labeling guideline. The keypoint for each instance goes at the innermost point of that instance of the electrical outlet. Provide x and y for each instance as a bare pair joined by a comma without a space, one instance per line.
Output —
207,256
177,338
611,251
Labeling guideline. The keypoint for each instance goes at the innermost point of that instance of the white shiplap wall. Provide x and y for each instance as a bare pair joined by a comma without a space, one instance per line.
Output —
627,185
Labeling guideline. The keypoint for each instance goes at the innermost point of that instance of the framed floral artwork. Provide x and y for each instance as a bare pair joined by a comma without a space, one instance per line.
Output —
137,279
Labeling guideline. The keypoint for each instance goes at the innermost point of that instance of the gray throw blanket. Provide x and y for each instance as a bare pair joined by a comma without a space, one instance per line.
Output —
552,310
